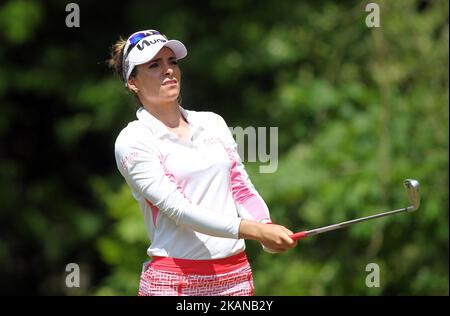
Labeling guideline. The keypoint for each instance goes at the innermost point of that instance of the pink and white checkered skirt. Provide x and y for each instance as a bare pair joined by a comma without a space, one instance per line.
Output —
163,276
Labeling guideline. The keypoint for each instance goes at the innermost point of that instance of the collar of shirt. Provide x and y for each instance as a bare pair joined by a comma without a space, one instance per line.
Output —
159,129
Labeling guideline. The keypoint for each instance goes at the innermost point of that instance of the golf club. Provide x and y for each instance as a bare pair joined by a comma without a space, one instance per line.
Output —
412,188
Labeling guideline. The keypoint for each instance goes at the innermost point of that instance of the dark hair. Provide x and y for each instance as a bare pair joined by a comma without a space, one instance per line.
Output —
115,61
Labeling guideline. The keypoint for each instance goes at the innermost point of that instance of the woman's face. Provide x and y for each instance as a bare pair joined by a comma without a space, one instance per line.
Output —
158,81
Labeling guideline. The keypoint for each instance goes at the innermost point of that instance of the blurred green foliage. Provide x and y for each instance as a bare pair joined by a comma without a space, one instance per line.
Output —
358,110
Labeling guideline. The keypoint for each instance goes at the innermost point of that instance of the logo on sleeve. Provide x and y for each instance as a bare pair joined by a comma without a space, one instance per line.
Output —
128,161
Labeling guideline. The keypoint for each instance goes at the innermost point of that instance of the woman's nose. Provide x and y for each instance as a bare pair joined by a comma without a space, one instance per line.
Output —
168,70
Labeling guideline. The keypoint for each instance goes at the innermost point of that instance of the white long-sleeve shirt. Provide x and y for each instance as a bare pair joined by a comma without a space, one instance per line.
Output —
193,193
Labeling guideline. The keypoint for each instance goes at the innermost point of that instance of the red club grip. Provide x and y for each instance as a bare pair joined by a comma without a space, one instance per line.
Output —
298,236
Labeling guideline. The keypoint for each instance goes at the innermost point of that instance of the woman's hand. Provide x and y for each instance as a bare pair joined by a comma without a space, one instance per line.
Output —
274,237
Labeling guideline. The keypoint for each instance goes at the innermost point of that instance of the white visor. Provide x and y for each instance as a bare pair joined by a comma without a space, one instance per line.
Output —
148,44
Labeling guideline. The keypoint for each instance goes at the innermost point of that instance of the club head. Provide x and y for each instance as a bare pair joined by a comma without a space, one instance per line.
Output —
412,188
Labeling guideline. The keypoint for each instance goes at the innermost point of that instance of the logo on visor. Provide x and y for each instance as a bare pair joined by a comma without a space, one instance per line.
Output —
148,43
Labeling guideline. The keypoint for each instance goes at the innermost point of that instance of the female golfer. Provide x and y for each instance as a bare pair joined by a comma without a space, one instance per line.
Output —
184,170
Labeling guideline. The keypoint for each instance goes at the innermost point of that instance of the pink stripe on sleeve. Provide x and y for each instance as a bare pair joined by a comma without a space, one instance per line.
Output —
172,178
170,175
242,193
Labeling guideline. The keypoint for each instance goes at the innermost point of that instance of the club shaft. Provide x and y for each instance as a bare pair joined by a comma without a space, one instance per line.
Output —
325,229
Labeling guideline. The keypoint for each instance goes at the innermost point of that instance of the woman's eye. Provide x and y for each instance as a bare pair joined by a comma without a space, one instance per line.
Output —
153,65
174,62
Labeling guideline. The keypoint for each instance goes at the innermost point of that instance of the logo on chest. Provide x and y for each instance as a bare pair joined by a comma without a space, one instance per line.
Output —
212,141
